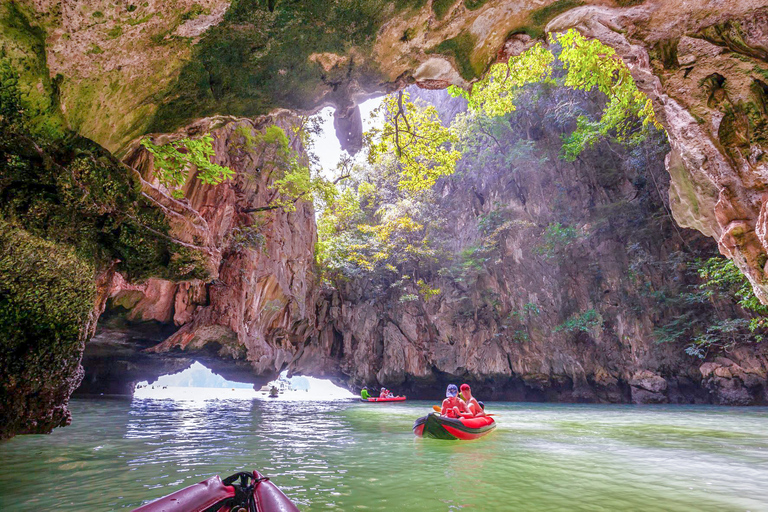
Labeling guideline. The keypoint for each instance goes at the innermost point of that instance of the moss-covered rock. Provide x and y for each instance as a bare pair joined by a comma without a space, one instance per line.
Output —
47,297
70,215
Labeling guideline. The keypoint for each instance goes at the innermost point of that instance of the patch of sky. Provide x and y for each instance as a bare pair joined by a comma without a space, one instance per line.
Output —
327,146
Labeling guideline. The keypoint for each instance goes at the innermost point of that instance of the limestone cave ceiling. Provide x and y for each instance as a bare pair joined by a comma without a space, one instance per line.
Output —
123,69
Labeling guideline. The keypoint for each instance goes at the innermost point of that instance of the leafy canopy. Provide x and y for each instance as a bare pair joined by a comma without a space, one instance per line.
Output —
417,138
174,160
589,64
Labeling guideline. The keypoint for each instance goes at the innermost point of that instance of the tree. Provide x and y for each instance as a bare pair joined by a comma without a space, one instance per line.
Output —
416,137
174,160
589,64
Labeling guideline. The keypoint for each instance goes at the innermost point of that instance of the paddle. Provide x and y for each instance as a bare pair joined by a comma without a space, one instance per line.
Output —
437,408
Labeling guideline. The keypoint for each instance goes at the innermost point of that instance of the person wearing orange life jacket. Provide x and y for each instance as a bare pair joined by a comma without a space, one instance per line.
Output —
453,406
473,406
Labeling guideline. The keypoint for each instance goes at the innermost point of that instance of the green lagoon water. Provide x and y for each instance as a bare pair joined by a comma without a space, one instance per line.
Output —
344,456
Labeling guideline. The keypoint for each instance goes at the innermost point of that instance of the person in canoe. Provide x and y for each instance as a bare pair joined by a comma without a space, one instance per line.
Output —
473,406
385,393
453,406
364,393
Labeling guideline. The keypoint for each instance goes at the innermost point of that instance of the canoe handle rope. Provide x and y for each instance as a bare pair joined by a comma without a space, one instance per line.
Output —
244,500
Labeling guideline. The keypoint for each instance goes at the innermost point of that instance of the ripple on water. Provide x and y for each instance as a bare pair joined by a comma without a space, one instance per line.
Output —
352,456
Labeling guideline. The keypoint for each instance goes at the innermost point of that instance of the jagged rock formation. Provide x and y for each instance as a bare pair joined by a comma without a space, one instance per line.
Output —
72,216
706,73
126,69
522,318
249,321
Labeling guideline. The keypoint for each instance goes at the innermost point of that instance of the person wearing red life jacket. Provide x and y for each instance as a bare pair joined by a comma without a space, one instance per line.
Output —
453,406
473,406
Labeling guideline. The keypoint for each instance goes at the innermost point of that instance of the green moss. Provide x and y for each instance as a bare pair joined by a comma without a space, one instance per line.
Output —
473,5
541,17
47,289
131,8
47,294
139,21
196,11
71,191
94,50
115,32
98,14
461,48
441,7
761,71
258,59
22,48
731,35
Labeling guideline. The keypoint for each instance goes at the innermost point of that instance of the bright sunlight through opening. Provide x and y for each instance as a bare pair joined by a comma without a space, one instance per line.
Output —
199,383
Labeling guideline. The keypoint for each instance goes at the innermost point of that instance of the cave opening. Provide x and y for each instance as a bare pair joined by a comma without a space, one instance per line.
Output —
198,382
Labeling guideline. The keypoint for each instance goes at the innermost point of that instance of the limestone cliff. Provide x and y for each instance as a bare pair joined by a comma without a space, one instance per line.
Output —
253,316
556,283
124,69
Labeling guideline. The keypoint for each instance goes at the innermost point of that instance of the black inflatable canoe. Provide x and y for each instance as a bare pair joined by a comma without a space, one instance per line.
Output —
251,492
440,427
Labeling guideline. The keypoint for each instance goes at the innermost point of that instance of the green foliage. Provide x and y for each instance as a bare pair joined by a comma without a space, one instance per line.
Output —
441,7
375,229
723,285
473,5
11,106
589,65
294,180
494,94
174,160
529,309
247,238
461,48
721,274
594,65
418,140
581,322
425,291
556,239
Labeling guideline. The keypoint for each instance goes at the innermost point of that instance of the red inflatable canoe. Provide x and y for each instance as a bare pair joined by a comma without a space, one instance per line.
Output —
242,491
435,426
376,399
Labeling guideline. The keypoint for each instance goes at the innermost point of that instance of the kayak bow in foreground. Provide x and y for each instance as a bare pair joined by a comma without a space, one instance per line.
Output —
248,492
435,426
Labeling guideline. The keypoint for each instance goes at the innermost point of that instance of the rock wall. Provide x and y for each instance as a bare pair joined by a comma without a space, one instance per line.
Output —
706,73
249,321
72,216
523,320
126,69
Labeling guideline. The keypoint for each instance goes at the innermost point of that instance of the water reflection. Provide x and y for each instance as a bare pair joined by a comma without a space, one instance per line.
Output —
352,456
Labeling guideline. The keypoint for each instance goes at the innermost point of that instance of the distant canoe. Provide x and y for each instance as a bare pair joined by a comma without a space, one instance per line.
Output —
393,399
435,426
